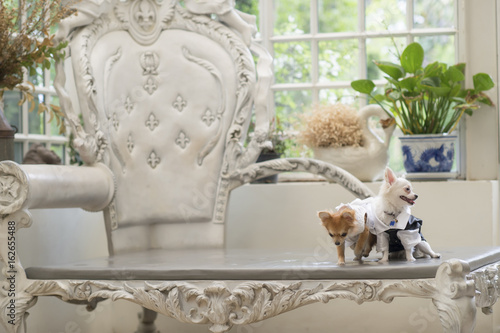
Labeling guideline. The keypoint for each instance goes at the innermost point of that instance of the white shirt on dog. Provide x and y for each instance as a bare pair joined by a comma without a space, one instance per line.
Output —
359,223
409,238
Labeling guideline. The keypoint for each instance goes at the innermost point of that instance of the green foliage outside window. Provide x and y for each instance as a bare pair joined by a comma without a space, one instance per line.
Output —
339,59
248,6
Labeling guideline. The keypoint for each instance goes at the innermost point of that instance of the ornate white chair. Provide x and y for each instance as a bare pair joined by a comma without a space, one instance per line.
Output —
166,94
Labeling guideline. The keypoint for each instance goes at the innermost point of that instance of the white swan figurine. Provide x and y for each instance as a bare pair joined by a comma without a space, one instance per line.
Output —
367,162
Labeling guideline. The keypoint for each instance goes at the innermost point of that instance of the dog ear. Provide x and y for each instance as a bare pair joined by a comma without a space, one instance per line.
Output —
348,215
324,216
390,177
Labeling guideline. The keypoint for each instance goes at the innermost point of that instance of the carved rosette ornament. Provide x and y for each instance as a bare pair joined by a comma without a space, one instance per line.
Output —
13,187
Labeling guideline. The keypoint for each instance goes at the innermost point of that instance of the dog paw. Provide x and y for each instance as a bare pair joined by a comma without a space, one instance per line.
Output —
436,255
340,263
410,259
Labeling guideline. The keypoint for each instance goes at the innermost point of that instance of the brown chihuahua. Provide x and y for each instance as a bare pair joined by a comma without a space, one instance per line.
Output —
344,227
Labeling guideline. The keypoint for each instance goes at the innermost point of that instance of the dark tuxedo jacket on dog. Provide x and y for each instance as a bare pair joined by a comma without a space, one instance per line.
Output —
405,229
395,244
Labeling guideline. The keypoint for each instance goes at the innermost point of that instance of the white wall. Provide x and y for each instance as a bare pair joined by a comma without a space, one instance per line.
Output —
479,49
276,217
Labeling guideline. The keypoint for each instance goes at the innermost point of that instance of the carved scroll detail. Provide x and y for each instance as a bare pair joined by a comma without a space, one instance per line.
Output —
454,298
14,300
13,187
329,171
110,62
215,303
210,145
487,282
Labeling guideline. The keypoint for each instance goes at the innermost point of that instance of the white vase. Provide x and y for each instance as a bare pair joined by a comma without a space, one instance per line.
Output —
428,152
368,162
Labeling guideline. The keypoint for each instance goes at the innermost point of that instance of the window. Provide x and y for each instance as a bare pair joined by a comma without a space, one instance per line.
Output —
33,127
320,46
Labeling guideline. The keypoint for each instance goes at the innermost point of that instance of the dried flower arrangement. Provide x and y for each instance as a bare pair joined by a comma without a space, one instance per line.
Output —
335,125
26,43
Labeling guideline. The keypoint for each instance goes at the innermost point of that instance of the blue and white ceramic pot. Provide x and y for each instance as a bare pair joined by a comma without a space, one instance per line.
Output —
428,152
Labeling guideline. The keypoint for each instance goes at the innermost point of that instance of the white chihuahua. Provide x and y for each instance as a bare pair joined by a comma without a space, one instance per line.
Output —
391,208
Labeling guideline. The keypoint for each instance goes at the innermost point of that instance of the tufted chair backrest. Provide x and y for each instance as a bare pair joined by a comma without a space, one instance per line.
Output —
165,95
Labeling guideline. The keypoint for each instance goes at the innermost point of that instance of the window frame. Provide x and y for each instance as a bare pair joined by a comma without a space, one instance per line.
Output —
23,136
267,29
470,166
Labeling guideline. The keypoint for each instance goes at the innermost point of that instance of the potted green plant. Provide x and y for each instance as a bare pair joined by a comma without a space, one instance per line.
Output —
426,103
